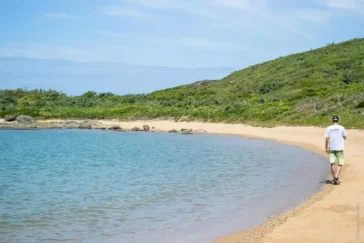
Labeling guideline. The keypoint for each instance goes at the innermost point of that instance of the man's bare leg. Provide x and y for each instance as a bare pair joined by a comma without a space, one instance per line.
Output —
333,171
338,171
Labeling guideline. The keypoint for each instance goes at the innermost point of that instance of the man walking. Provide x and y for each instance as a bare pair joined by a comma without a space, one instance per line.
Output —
334,146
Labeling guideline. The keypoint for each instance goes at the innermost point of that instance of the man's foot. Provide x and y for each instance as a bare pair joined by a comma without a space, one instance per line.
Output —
336,181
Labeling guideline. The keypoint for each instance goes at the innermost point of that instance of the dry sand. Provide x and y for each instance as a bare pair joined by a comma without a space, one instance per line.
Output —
331,216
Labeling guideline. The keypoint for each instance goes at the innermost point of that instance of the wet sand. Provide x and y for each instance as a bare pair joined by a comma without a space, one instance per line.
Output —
333,215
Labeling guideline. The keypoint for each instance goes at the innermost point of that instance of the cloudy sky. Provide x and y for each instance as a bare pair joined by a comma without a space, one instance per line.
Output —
137,46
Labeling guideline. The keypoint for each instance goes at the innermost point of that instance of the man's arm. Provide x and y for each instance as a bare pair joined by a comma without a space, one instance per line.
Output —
344,133
327,140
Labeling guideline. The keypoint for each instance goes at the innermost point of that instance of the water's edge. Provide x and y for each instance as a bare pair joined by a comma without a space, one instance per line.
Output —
256,234
253,234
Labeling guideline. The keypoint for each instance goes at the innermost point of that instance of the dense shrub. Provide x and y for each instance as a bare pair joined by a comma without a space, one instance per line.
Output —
360,105
305,88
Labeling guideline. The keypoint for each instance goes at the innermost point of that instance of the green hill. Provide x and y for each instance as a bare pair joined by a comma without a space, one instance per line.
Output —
300,89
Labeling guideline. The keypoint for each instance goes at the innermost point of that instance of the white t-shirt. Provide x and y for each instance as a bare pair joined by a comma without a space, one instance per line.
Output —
335,133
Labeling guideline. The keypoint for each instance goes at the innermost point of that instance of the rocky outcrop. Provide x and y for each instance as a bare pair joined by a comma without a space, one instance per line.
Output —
18,125
173,131
86,125
146,128
200,130
71,125
186,130
25,119
99,127
116,127
10,118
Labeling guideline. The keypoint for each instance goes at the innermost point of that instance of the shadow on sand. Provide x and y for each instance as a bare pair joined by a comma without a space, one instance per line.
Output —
326,182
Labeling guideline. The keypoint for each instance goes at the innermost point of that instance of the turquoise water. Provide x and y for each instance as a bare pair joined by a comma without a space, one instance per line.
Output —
99,186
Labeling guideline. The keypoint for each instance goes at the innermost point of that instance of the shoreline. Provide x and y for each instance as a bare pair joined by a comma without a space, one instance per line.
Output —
330,215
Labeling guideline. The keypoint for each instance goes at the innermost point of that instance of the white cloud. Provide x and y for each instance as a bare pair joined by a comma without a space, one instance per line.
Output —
246,17
53,52
345,4
58,15
161,4
316,16
199,7
202,12
205,8
86,52
257,7
351,5
239,4
297,31
228,12
205,44
193,42
246,5
122,12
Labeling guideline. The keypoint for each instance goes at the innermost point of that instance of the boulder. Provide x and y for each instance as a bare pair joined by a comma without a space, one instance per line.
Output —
116,127
173,131
186,130
136,129
86,125
71,125
50,125
25,119
98,126
146,128
9,118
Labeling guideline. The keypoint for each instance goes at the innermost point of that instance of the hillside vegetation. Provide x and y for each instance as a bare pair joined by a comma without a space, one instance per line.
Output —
300,89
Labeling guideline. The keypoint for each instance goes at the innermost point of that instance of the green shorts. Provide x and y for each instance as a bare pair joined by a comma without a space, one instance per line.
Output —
339,155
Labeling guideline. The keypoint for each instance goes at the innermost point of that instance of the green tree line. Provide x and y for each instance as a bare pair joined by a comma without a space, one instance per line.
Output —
299,89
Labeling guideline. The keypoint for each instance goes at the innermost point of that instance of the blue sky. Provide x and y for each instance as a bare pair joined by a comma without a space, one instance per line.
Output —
189,40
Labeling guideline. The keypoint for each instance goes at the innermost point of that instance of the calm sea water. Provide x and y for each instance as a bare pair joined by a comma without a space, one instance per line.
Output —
99,186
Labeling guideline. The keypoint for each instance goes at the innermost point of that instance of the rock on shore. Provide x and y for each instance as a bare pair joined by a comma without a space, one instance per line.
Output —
186,130
99,127
9,118
69,125
25,119
86,125
28,122
116,127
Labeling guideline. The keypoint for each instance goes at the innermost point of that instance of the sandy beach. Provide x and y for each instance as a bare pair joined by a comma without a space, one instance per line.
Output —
333,215
333,218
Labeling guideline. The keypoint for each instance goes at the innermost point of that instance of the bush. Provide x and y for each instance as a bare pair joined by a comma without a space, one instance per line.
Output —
350,77
360,105
298,89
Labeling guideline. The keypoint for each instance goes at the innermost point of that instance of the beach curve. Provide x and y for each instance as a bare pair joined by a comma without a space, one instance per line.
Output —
331,216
